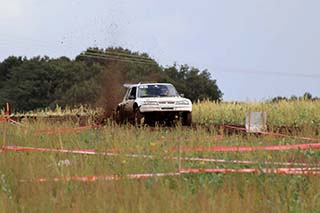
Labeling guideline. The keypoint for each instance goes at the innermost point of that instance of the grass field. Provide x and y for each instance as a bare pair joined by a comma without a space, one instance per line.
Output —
20,191
300,113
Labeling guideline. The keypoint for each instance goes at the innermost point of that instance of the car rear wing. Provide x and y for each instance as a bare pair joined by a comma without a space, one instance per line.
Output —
129,85
132,85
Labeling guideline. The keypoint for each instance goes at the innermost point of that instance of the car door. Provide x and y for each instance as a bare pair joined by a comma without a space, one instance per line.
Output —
121,106
130,99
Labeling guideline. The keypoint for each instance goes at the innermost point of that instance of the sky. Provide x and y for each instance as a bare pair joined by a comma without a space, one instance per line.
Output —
255,49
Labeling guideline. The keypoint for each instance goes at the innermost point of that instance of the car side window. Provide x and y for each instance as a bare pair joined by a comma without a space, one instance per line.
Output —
127,94
132,94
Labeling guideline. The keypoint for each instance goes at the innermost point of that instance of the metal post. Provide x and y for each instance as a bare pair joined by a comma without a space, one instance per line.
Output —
264,121
222,130
249,122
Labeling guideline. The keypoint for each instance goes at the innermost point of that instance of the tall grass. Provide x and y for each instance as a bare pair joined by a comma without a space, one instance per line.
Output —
187,193
299,113
284,113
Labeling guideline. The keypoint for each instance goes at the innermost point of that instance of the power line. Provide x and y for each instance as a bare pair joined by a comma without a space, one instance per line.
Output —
22,42
117,59
111,57
119,55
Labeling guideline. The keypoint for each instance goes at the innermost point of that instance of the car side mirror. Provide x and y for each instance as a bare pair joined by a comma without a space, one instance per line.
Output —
182,95
131,97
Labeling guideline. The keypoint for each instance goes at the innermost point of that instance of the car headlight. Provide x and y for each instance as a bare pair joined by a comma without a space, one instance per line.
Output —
150,103
183,102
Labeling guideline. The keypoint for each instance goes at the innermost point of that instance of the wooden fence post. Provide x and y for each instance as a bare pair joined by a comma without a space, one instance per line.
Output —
6,116
4,133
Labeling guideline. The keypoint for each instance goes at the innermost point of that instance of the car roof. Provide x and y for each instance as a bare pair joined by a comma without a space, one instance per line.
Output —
135,85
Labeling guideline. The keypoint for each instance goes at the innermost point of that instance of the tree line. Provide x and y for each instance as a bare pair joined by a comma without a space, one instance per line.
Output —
93,78
306,97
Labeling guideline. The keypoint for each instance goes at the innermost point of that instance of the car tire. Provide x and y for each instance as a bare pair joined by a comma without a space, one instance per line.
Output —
187,119
138,118
116,115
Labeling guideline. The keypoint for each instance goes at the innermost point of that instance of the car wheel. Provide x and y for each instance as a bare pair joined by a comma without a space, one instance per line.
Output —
116,116
187,119
138,118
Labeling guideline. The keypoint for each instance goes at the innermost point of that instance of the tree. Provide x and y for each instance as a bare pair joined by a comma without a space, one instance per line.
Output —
133,66
75,82
6,66
28,85
193,83
307,96
95,77
278,99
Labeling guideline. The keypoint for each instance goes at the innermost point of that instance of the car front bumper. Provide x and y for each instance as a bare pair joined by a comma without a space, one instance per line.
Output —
165,108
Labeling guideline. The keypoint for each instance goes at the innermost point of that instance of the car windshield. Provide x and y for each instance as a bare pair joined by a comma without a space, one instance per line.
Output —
157,90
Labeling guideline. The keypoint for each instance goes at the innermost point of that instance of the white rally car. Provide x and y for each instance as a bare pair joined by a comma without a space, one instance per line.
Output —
148,103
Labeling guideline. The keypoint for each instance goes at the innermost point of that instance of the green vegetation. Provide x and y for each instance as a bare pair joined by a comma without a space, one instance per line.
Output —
299,113
93,78
187,193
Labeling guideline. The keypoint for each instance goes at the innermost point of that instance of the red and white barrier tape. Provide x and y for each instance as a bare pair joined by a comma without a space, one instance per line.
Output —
74,151
3,118
22,148
251,148
195,159
184,149
16,123
247,162
287,171
53,131
236,148
50,131
274,134
235,127
218,137
282,171
107,178
10,120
